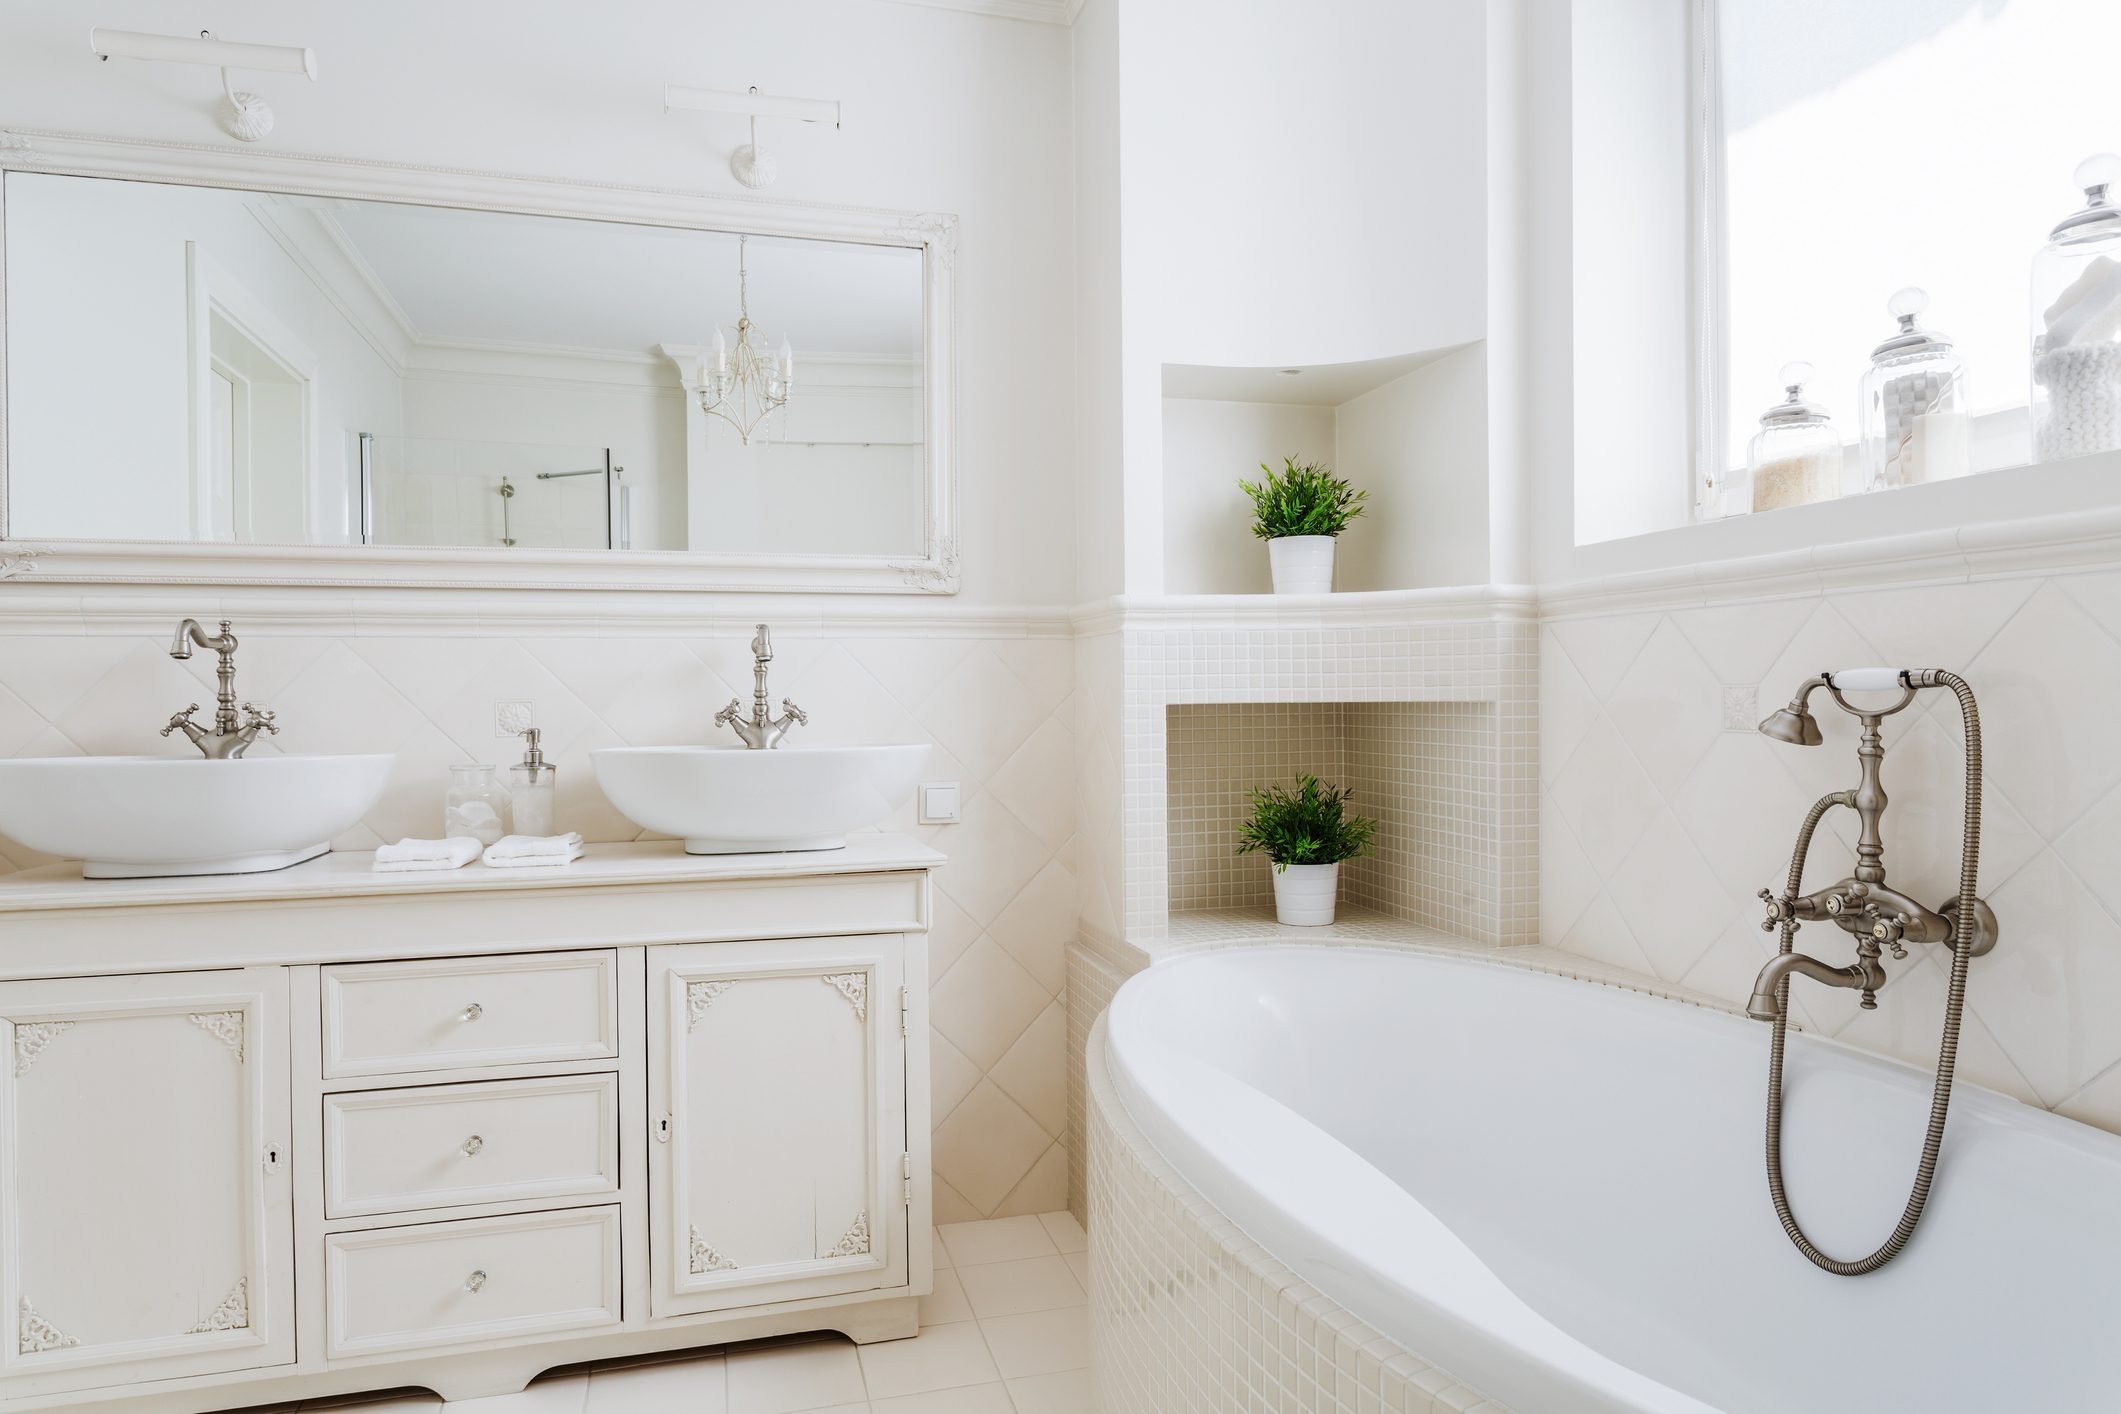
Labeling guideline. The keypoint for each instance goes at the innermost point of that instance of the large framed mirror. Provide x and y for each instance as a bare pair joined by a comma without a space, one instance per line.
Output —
231,367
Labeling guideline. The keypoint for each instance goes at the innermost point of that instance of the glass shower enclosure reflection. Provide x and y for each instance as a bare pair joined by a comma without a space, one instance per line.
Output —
442,491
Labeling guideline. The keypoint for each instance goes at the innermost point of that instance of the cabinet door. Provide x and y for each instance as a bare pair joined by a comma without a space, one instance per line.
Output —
777,1097
144,1178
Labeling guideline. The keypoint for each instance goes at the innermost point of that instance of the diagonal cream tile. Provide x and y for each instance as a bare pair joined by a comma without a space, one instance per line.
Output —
1671,901
2099,1102
1066,1232
1037,783
20,724
952,1206
341,703
1602,935
1046,664
1567,882
950,1075
1740,642
122,712
1038,925
427,672
986,1146
1567,707
950,931
981,713
910,668
1605,797
992,857
51,672
1034,1071
2047,683
1602,648
1741,811
1668,706
1042,1189
2051,993
985,1003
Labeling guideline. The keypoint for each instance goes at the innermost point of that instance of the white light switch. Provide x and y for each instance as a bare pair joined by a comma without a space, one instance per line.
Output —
939,803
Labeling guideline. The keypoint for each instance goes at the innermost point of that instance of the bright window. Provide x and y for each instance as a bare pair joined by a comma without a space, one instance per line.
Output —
1852,147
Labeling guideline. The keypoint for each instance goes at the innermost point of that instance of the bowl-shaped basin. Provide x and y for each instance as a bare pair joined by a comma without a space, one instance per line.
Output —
127,817
730,800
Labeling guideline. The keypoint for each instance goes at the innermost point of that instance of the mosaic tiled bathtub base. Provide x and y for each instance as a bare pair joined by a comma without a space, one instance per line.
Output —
1190,1316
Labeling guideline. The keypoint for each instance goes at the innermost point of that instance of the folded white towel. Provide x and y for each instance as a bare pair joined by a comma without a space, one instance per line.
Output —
528,851
407,856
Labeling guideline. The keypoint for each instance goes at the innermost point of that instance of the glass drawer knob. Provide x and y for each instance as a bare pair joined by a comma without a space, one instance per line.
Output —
475,1281
471,1013
472,1145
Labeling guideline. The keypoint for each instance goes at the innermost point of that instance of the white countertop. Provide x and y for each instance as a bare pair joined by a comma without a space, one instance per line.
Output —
351,874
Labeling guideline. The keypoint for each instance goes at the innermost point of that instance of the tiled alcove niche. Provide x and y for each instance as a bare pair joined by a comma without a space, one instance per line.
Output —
1426,772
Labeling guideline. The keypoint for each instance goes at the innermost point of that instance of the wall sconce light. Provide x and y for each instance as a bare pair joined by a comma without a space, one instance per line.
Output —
249,117
751,164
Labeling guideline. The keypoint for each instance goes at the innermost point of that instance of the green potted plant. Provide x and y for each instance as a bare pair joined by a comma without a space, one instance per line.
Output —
1298,511
1307,832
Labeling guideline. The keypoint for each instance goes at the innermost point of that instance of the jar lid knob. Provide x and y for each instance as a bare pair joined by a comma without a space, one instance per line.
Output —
2096,173
1795,375
1906,303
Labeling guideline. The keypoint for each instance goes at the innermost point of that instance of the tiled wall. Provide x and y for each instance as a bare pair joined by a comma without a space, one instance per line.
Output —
1662,811
1423,771
997,710
1472,653
1190,1316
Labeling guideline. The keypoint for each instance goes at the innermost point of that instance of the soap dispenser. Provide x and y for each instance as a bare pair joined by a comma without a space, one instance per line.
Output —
531,785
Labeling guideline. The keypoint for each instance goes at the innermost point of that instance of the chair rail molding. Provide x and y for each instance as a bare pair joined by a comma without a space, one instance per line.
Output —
934,572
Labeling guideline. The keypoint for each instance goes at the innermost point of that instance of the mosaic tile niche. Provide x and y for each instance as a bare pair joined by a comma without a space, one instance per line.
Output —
1424,771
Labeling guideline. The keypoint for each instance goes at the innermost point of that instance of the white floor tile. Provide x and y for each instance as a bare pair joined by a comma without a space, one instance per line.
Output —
940,1357
1039,1343
781,1379
967,1399
1064,1392
1066,1232
947,1303
562,1394
1079,1263
942,1253
997,1240
1012,1288
695,1386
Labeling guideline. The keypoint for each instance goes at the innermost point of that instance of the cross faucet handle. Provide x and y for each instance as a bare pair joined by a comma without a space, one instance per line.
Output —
180,720
1779,911
791,712
260,720
729,714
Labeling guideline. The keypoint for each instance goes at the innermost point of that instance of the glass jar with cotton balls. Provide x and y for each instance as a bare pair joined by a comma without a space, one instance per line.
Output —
477,805
1913,403
2076,319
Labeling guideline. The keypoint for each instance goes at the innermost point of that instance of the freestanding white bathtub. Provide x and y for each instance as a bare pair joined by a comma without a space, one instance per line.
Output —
1553,1190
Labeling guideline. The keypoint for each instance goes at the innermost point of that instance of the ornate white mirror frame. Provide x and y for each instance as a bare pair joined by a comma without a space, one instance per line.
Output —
222,563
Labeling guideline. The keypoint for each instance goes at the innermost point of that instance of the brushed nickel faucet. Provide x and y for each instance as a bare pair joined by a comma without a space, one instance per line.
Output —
1881,919
230,738
760,732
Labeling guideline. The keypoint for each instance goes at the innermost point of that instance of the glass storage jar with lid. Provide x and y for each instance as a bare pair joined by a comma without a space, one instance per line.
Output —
1795,457
1913,401
2076,309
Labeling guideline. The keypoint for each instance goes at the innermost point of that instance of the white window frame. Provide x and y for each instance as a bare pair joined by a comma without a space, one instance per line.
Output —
1708,254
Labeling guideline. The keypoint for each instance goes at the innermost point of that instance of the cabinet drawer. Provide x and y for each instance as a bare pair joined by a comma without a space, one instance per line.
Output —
392,1018
440,1146
486,1279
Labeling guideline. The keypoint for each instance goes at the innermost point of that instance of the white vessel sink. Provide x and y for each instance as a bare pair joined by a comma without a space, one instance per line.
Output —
132,817
731,800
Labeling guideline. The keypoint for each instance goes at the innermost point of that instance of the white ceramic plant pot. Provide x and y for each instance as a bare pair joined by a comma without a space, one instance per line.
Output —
1304,894
1303,564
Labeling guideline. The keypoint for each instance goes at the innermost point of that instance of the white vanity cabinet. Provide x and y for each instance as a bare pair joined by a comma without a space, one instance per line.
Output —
298,1135
145,1178
777,1092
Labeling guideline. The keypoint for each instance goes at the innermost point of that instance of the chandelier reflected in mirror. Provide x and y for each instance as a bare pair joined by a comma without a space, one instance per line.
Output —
742,384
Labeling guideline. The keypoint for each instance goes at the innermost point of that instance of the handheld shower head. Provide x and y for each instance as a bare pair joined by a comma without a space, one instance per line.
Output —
1794,724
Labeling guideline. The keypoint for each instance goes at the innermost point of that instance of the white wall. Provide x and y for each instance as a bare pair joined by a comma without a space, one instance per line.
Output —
99,432
945,111
1209,446
1419,446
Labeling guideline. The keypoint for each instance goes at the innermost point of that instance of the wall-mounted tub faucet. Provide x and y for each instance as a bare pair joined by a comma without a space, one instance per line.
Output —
230,737
1880,918
760,732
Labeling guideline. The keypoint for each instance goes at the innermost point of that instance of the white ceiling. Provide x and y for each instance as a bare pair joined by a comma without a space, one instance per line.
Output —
1313,385
626,289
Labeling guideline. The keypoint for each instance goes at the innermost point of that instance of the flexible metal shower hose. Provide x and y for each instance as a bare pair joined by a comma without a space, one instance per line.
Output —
1963,929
